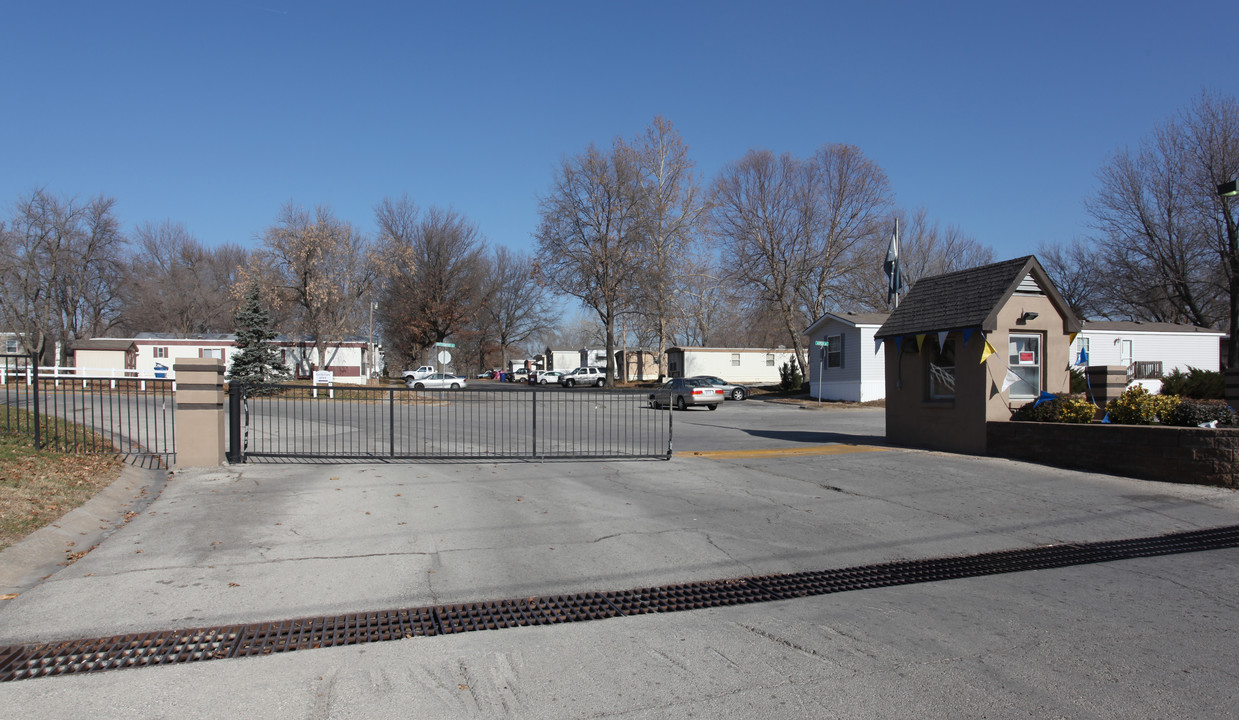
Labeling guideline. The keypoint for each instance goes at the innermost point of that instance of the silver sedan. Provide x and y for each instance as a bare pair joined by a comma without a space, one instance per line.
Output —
436,381
731,390
682,392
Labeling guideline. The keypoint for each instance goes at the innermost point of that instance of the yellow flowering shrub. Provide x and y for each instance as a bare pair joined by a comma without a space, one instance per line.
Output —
1137,406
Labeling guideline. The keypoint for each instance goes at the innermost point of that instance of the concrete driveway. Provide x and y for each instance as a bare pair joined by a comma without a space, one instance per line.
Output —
754,488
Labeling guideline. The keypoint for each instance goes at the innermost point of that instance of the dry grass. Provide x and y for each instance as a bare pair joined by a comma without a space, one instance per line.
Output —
39,486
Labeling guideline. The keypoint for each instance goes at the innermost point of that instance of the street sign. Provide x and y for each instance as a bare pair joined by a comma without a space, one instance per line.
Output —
445,357
445,344
822,343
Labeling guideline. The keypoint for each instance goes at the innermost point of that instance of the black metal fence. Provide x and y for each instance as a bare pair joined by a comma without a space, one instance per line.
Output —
91,415
396,423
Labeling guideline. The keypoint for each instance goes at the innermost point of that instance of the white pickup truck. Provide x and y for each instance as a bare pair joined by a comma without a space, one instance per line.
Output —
419,373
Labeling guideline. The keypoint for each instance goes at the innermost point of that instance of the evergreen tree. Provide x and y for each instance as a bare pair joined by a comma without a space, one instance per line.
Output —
258,362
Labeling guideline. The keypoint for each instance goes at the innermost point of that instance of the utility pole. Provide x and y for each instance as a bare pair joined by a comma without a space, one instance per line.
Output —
373,306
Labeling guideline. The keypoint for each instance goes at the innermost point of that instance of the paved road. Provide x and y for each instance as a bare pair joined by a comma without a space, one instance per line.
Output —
754,488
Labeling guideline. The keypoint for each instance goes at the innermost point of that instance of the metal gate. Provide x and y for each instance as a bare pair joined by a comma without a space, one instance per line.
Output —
396,423
66,411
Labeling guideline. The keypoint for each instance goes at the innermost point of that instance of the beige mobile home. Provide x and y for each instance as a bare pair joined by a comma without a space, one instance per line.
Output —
749,366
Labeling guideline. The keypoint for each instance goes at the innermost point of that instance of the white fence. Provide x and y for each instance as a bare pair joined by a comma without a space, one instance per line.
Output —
85,375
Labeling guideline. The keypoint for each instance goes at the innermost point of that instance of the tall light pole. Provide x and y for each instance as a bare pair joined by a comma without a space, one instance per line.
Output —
1225,191
373,306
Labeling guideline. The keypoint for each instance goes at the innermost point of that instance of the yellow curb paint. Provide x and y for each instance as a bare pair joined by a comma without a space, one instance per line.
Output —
781,452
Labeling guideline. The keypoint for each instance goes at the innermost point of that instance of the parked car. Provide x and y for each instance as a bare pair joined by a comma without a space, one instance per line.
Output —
584,376
419,373
547,377
730,390
436,380
682,392
486,375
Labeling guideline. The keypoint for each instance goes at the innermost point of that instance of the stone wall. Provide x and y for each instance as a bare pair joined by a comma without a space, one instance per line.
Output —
1171,454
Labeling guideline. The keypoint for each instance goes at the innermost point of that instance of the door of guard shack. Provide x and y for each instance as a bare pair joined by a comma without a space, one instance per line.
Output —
298,422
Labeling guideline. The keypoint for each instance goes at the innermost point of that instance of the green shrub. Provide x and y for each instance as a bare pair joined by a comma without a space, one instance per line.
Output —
1195,383
789,376
1134,407
1164,405
1062,409
1077,410
1137,406
1191,413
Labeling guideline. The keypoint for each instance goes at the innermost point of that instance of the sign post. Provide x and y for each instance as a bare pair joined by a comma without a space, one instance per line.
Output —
823,344
324,377
445,357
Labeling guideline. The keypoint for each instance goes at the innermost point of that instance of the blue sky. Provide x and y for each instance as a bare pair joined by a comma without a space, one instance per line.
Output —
993,116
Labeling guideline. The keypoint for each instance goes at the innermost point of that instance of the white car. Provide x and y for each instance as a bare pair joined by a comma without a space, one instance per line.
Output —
436,380
419,373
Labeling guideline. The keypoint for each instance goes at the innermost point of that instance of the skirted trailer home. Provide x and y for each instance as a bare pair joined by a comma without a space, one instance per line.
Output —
969,347
843,364
751,366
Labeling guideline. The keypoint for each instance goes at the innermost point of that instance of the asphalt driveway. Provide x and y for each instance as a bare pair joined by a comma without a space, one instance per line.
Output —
755,488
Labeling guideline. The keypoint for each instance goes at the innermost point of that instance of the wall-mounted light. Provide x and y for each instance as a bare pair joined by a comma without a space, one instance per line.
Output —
1028,316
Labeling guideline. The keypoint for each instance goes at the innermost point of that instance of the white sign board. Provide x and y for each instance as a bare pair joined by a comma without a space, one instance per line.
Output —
445,357
323,377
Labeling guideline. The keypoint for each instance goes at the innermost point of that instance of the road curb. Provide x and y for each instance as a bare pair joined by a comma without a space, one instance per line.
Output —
48,550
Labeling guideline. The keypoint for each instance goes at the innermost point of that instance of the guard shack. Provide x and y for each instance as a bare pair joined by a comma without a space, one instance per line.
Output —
969,347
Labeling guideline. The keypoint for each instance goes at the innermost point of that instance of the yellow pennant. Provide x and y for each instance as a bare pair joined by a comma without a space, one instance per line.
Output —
989,350
1072,338
920,341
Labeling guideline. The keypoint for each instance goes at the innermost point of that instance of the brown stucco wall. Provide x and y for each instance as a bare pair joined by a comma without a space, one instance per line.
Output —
1199,456
960,425
957,425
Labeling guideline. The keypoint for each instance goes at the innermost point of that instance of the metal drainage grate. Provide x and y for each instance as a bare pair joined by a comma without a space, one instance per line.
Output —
19,662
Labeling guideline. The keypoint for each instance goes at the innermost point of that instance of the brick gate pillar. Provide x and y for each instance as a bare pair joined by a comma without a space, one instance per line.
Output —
199,412
1232,388
1107,382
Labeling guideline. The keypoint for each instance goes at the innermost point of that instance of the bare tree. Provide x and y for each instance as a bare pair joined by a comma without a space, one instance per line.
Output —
318,267
60,267
926,249
433,280
1213,149
177,285
515,305
1074,269
672,212
846,197
1159,261
589,236
575,330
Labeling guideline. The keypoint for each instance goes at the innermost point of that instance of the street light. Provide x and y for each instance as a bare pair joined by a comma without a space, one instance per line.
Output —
1231,251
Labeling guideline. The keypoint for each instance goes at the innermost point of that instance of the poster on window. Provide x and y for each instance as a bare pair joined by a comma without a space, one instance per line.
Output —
1028,358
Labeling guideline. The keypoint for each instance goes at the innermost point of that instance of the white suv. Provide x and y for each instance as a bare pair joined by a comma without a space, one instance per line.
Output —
584,376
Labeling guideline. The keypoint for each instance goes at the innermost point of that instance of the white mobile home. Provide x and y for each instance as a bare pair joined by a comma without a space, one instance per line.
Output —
1150,349
349,361
104,354
562,360
848,367
750,366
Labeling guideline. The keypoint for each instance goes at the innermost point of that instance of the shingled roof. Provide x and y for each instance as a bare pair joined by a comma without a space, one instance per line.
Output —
103,344
969,299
